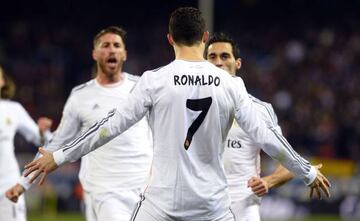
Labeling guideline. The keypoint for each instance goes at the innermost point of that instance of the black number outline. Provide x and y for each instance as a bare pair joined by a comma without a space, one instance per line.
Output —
202,105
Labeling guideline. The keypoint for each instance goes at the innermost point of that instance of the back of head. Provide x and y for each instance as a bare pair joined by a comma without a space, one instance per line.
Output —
187,26
222,38
8,89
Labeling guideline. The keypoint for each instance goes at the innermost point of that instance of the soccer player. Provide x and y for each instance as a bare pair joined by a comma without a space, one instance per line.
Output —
14,118
242,154
192,104
112,176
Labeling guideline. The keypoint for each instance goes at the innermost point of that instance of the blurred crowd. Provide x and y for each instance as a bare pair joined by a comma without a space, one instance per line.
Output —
312,81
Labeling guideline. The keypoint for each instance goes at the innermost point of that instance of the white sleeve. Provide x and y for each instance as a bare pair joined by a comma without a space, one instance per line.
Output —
27,126
275,120
116,122
267,113
67,130
268,138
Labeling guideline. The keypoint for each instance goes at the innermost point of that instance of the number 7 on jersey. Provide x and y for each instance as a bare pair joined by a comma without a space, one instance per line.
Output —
202,105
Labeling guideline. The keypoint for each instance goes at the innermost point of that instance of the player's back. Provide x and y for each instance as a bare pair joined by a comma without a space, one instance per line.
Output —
188,176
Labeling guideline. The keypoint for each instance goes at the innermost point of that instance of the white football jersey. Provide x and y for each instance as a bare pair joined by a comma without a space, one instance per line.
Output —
242,155
122,164
192,106
13,118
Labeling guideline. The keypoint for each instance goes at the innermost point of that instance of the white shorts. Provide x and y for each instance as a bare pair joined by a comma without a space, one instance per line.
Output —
111,206
245,212
145,211
10,211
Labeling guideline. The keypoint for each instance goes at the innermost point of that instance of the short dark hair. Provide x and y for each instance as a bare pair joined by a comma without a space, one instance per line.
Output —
222,37
187,26
8,90
111,29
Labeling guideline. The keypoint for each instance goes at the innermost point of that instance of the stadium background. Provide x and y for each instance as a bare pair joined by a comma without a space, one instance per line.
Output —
302,56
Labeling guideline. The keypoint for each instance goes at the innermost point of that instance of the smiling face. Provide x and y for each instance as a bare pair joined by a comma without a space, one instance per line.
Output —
109,54
221,55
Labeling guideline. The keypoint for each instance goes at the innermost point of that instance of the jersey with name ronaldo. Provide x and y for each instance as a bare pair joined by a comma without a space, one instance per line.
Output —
191,106
13,118
242,154
124,162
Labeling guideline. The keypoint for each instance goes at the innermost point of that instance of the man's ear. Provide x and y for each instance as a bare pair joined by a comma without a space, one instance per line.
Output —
238,63
94,56
170,39
205,36
125,57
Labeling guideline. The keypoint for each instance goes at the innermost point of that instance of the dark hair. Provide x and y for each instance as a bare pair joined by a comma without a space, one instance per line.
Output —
186,26
113,30
8,90
222,37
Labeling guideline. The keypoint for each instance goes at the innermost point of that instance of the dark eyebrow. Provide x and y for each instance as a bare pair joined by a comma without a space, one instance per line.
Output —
225,53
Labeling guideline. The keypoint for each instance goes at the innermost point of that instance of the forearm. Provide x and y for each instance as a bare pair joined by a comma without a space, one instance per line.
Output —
279,177
96,136
289,158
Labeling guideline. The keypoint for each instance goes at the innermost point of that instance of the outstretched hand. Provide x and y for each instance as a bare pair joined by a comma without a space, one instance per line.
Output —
14,192
321,184
259,186
41,166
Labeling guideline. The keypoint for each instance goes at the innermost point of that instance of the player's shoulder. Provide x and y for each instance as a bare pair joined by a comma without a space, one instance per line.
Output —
236,81
155,74
11,104
179,65
131,77
264,107
158,69
83,86
258,101
216,70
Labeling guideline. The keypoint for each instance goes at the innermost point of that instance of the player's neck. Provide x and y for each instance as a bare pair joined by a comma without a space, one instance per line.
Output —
189,53
104,79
